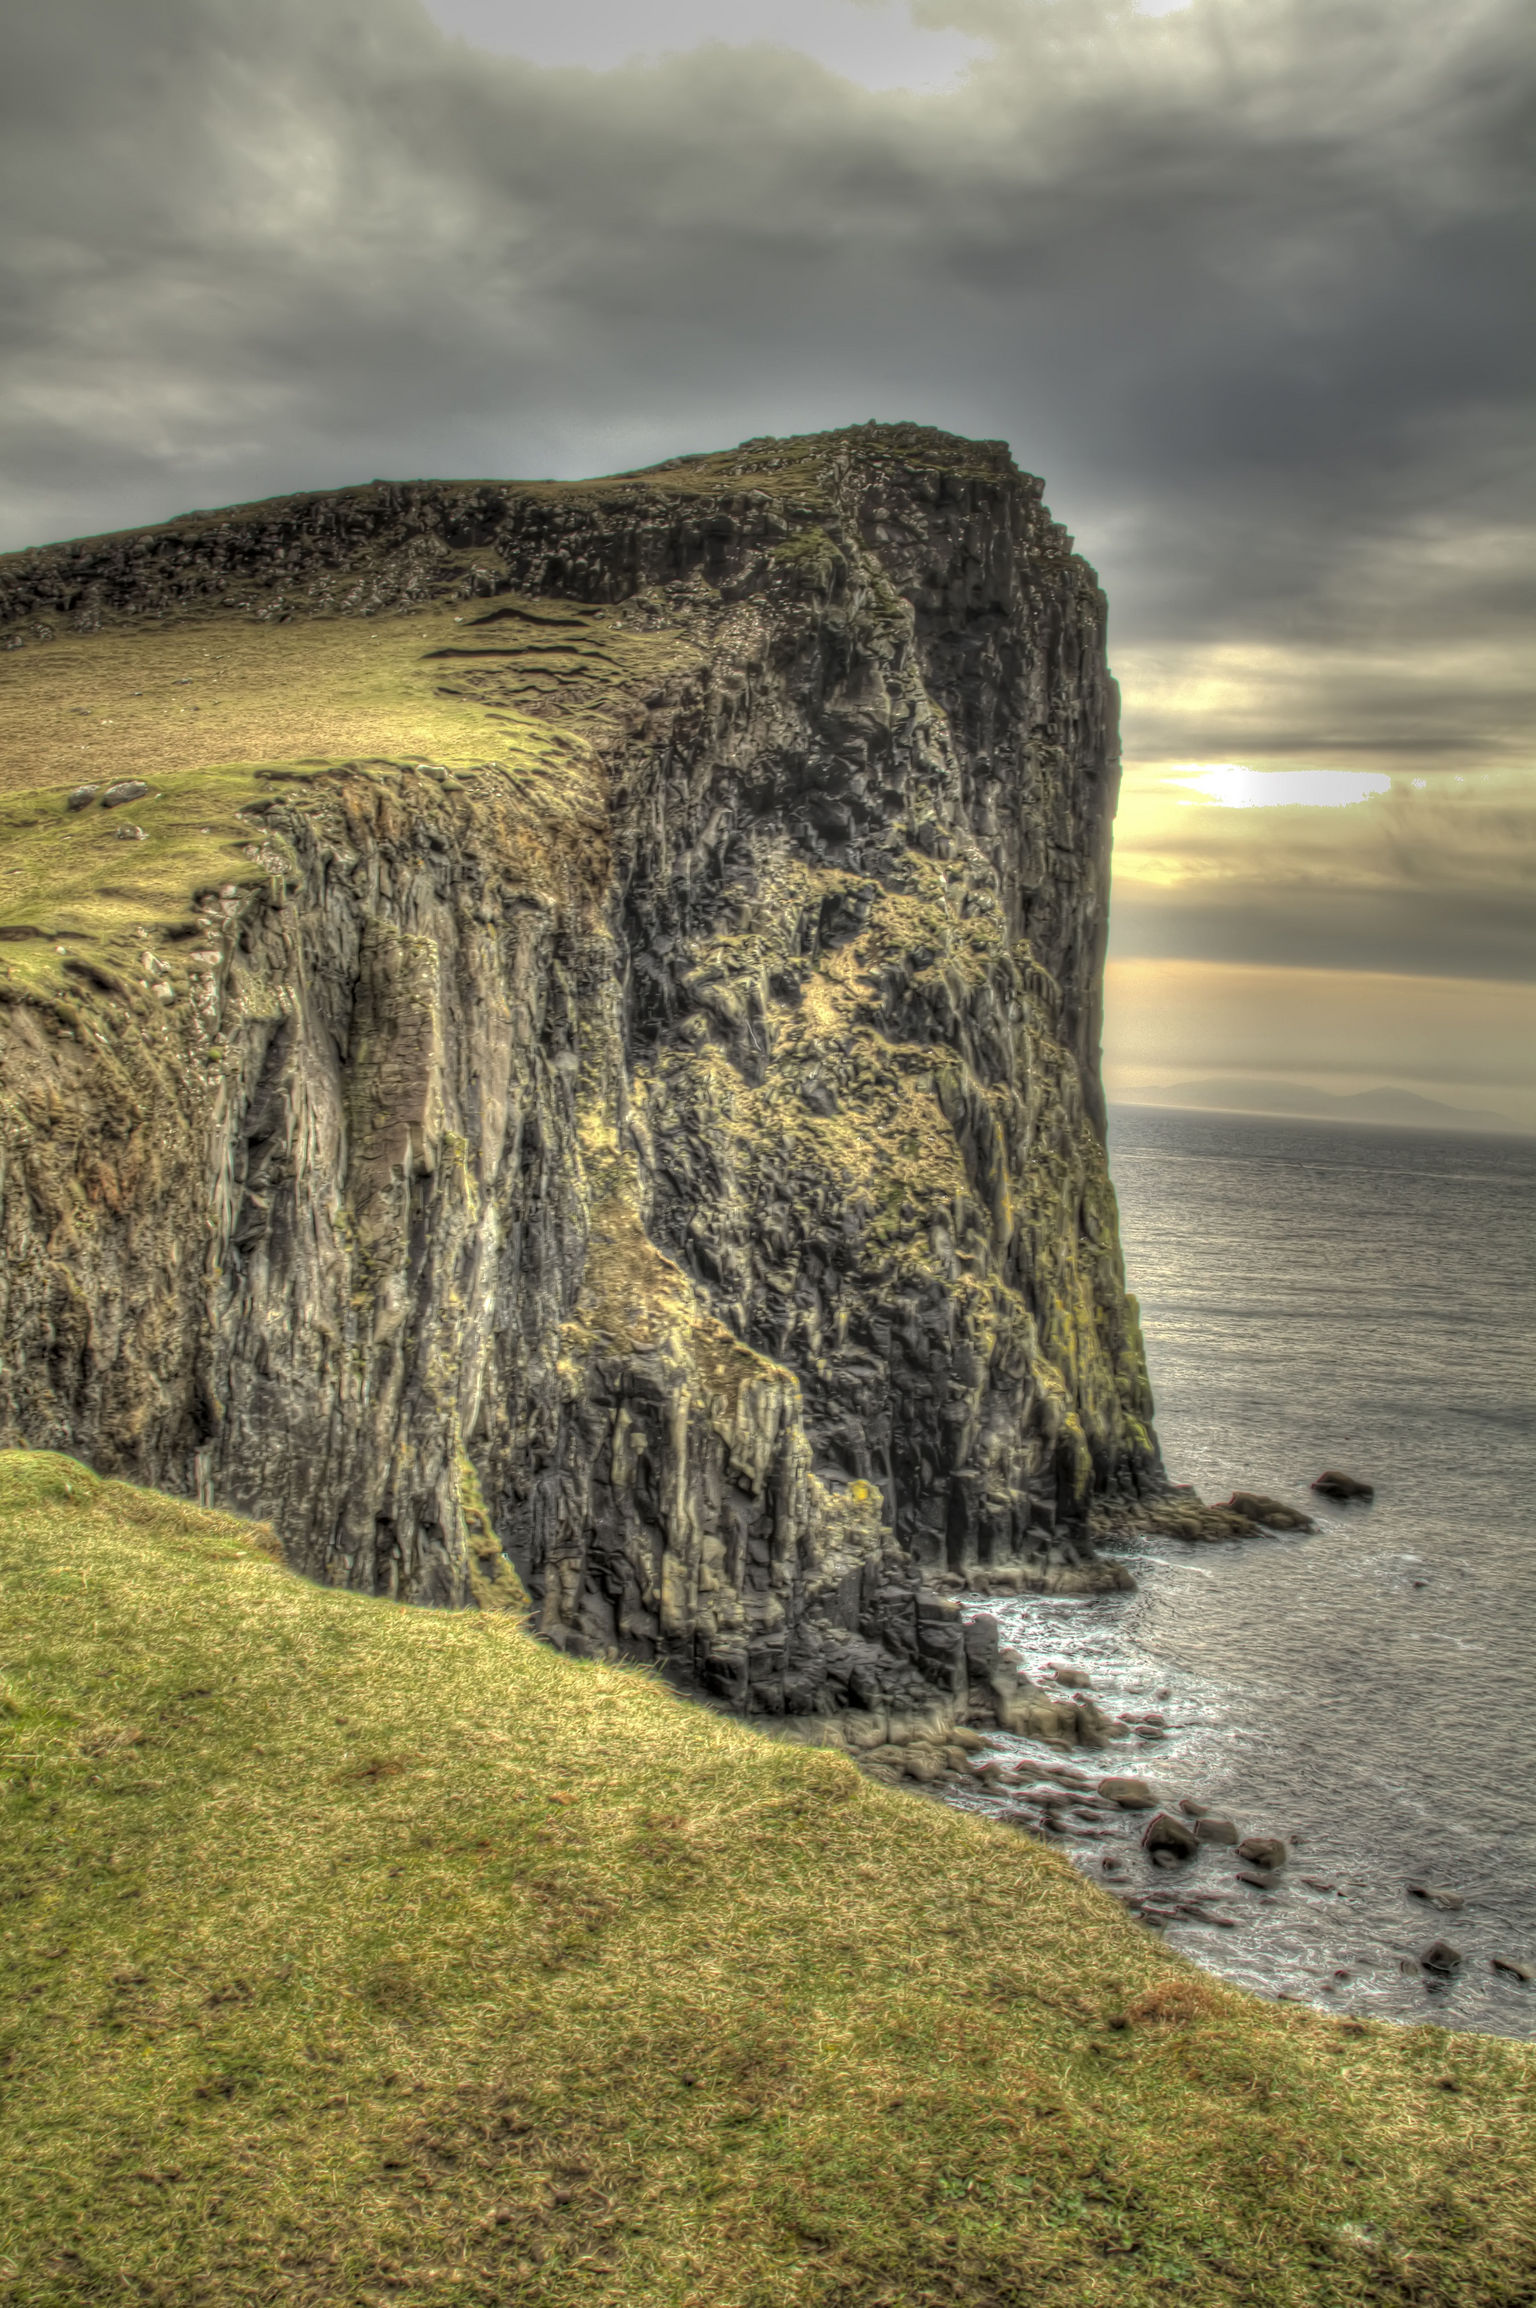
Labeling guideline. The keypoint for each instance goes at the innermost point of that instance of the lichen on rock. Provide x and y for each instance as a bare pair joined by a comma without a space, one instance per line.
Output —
652,1175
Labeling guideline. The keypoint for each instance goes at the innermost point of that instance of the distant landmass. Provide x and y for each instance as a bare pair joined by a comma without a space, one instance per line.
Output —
1404,1107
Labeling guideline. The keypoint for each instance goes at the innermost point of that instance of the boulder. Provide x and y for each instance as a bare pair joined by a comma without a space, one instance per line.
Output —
1129,1794
1166,1831
82,797
1197,1522
1073,1678
1193,1810
126,789
1448,1902
1093,1727
1266,1851
1333,1485
1274,1514
1032,1716
1511,1970
1010,1579
981,1641
934,1609
884,1758
1261,1878
924,1764
1211,1827
1440,1956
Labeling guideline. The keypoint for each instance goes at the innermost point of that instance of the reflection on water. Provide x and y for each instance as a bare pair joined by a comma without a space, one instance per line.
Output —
1316,1296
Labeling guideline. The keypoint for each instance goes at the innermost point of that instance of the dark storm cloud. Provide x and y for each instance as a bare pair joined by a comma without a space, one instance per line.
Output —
1246,282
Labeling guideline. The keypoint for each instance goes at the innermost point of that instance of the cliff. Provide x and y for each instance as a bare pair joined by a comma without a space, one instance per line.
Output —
580,1067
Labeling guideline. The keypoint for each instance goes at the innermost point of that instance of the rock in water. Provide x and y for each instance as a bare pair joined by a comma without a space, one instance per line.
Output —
1333,1485
1274,1514
1129,1794
1166,1831
1449,1902
1441,1957
665,1164
1266,1851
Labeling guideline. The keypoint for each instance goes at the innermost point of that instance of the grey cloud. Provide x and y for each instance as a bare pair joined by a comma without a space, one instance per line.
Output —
1244,282
1438,882
1422,708
1446,933
872,41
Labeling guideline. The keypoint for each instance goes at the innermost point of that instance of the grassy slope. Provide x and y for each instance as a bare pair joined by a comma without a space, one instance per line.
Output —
144,703
353,1953
528,692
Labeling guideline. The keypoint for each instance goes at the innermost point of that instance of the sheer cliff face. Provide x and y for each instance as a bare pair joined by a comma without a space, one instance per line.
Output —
666,1157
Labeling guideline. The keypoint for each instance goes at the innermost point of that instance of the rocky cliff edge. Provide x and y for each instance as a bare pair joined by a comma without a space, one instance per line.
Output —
650,1158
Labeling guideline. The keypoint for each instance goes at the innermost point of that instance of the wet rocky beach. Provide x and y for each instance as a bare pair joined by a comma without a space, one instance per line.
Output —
1318,1297
1152,1782
1162,1823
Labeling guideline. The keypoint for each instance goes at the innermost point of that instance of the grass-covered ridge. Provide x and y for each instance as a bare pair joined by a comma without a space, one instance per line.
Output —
360,1954
439,682
212,713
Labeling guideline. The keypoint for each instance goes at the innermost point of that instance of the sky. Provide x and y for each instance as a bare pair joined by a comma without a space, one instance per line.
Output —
1247,281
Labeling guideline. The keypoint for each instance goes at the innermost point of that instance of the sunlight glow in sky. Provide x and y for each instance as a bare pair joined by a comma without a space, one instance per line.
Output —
1235,786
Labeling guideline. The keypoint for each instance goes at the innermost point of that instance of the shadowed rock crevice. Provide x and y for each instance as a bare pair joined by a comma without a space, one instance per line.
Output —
660,1176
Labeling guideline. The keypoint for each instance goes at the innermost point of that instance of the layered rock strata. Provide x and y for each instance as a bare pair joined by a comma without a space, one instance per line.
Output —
670,1177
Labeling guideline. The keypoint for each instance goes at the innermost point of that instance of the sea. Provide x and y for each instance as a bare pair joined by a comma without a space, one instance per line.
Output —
1326,1295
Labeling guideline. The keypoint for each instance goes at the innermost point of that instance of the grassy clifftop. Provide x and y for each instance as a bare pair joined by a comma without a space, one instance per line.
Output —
360,1954
210,715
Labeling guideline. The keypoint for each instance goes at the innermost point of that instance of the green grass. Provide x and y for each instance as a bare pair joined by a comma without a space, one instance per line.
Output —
149,702
352,1953
441,684
209,712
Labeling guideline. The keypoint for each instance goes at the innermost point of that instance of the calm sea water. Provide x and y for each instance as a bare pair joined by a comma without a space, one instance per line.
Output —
1317,1295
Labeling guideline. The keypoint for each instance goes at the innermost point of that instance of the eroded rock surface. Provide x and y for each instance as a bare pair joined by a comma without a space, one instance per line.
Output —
676,1181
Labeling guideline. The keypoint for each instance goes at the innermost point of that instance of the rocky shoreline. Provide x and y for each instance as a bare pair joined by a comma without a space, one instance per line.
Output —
1135,1830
